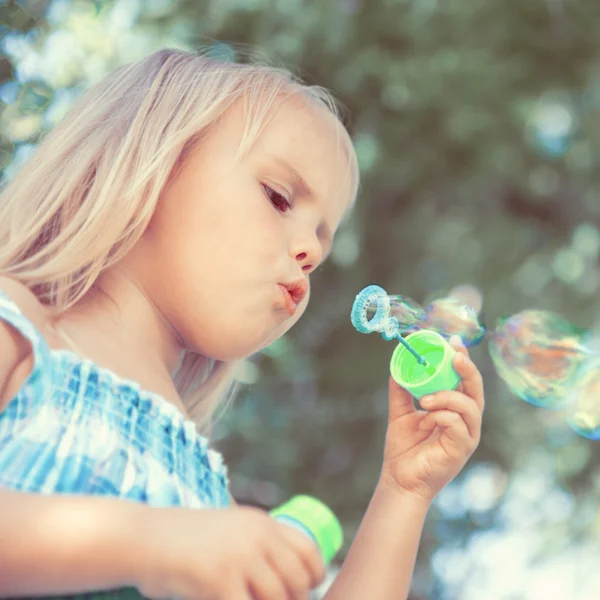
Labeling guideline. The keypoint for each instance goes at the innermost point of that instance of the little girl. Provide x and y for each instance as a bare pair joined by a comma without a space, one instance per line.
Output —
164,230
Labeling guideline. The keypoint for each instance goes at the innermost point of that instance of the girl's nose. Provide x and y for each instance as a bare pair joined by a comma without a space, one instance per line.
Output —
307,253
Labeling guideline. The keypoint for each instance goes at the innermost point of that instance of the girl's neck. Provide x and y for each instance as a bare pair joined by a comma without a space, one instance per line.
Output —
117,326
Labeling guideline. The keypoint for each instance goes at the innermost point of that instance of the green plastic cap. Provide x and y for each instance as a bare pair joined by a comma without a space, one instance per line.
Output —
318,519
419,379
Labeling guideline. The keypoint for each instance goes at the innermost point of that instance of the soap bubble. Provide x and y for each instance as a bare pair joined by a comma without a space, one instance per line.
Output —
537,354
451,316
584,399
407,311
469,295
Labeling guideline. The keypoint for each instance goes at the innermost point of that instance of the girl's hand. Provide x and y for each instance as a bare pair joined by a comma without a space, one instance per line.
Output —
225,554
425,449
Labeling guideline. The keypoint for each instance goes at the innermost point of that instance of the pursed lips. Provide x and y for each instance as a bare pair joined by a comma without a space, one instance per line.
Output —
293,293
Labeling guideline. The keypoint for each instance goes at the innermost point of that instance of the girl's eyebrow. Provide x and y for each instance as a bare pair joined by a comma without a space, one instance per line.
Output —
300,184
304,189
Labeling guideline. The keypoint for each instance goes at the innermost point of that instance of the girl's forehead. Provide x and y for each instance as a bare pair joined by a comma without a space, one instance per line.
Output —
295,123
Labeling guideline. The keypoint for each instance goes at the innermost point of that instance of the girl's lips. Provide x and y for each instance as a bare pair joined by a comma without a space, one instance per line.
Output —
289,303
297,289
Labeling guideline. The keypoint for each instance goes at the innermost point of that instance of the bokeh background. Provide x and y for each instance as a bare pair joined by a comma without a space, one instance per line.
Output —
477,126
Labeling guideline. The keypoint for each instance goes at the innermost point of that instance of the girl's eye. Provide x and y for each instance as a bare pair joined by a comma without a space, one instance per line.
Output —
277,200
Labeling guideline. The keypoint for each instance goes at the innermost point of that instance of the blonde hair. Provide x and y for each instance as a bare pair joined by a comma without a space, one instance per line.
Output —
87,193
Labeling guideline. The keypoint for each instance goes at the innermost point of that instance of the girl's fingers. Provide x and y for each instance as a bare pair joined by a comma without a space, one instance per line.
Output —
458,403
454,428
266,584
294,573
401,401
472,382
237,590
307,553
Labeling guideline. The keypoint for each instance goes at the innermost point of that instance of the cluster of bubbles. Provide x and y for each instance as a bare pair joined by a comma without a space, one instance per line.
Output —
543,358
374,310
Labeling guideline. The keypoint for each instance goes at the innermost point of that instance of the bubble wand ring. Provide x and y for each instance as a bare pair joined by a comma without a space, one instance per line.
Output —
372,294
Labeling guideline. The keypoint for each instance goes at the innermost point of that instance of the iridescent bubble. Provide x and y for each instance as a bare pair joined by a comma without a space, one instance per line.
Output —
468,294
407,311
451,316
537,353
584,395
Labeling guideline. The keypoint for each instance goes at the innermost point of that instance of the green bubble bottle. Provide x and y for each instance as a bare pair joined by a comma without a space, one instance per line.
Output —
314,519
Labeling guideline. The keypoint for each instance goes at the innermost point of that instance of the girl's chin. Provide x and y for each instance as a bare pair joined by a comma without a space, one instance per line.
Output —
233,352
239,342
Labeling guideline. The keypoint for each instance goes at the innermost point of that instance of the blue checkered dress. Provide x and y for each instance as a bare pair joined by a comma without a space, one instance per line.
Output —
77,428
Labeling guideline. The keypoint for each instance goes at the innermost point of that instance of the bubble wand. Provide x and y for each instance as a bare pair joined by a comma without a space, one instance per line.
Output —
422,362
382,322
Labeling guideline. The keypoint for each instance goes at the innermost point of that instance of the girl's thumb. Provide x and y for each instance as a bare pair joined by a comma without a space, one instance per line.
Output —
401,401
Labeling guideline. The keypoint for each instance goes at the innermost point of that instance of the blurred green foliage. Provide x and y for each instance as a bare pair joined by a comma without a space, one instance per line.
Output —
476,126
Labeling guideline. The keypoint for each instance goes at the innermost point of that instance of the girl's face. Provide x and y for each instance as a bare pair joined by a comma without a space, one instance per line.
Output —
229,251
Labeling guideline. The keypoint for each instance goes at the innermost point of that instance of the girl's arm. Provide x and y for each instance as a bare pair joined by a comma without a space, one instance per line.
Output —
382,557
424,450
54,545
57,545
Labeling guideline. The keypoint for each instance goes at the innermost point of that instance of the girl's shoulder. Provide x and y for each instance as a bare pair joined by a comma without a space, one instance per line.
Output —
20,309
27,302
